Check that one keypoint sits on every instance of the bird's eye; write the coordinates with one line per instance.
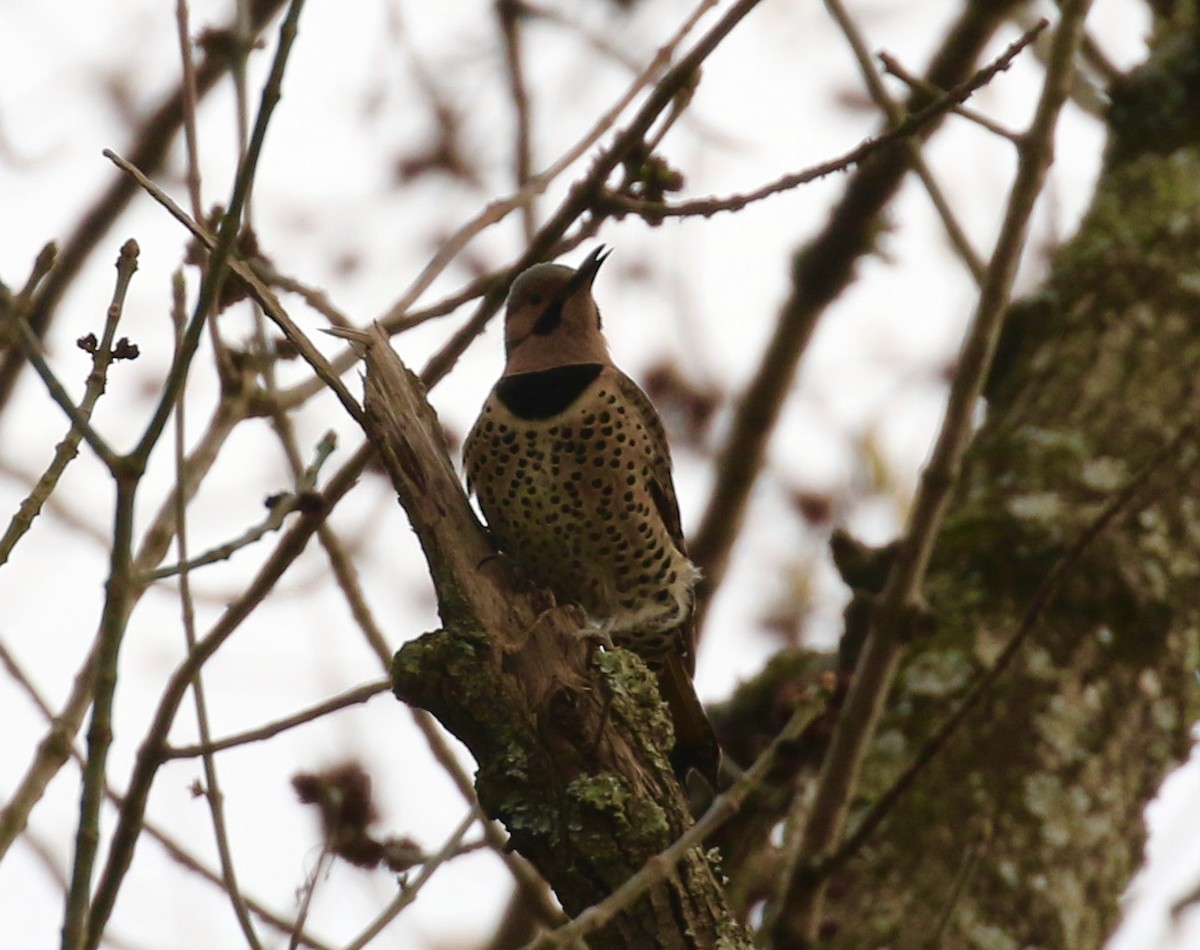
(535, 299)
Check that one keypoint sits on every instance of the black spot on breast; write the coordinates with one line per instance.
(546, 393)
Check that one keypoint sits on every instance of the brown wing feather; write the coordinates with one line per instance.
(662, 489)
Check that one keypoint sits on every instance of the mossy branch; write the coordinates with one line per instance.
(571, 743)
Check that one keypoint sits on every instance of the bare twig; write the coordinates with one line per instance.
(32, 349)
(152, 749)
(508, 12)
(908, 126)
(102, 356)
(117, 604)
(310, 888)
(315, 298)
(279, 507)
(894, 68)
(274, 521)
(212, 791)
(346, 576)
(800, 913)
(407, 895)
(895, 116)
(187, 88)
(820, 271)
(82, 929)
(352, 697)
(70, 514)
(148, 150)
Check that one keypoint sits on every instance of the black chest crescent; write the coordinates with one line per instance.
(548, 392)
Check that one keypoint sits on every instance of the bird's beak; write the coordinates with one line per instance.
(586, 272)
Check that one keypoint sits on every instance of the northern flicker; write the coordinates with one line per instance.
(569, 461)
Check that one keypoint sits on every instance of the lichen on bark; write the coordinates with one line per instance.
(1026, 830)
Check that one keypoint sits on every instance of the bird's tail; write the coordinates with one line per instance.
(695, 742)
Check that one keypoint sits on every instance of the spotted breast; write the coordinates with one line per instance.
(570, 464)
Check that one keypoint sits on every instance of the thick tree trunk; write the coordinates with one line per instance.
(1027, 828)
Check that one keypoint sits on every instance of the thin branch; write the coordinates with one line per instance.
(102, 356)
(187, 87)
(820, 271)
(276, 516)
(261, 294)
(895, 116)
(508, 12)
(148, 150)
(31, 347)
(213, 795)
(346, 576)
(908, 126)
(151, 751)
(118, 602)
(317, 299)
(800, 913)
(72, 517)
(279, 507)
(310, 888)
(51, 753)
(352, 697)
(1095, 57)
(893, 67)
(224, 365)
(407, 895)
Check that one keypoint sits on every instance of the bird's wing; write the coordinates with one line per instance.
(662, 488)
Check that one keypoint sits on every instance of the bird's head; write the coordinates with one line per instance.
(552, 319)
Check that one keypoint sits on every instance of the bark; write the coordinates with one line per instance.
(1026, 829)
(572, 743)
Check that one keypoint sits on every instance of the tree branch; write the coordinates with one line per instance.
(572, 753)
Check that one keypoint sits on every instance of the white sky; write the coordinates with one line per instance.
(770, 101)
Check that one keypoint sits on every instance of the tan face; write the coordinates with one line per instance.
(533, 293)
(552, 319)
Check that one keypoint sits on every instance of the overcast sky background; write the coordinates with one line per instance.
(783, 93)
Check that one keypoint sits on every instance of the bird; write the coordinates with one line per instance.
(570, 465)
